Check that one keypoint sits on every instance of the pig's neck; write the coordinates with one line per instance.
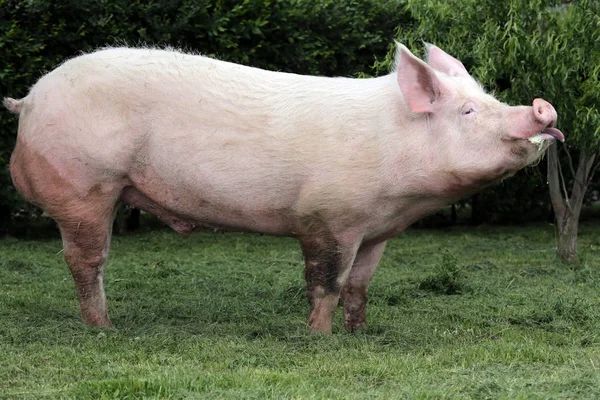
(418, 190)
(420, 173)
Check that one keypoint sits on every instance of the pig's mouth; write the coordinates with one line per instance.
(545, 137)
(546, 134)
(549, 134)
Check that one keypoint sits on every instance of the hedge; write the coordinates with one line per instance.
(323, 37)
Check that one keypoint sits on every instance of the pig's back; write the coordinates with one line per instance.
(142, 77)
(149, 103)
(179, 94)
(210, 132)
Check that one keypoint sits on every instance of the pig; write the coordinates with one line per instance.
(340, 164)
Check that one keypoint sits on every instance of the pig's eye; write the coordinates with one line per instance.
(468, 109)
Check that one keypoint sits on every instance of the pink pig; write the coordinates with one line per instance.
(341, 164)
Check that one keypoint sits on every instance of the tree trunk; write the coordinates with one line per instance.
(567, 206)
(566, 248)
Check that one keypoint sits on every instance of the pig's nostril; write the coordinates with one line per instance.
(543, 111)
(540, 108)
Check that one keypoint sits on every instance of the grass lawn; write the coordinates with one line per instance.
(461, 313)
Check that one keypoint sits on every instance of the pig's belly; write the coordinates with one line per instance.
(185, 209)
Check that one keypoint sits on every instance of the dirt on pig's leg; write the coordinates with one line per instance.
(327, 262)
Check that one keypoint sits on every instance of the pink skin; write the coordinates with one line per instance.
(544, 115)
(354, 292)
(440, 61)
(541, 117)
(342, 165)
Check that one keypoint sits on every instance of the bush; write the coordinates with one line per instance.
(522, 49)
(324, 37)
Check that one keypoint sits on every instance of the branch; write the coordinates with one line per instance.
(570, 160)
(593, 171)
(558, 203)
(562, 181)
(591, 164)
(581, 182)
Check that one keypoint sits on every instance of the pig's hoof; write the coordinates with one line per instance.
(354, 326)
(317, 326)
(97, 321)
(319, 331)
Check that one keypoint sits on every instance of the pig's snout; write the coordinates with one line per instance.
(542, 123)
(546, 116)
(544, 113)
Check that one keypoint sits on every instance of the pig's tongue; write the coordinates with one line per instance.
(555, 133)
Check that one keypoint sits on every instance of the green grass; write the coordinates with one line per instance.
(462, 313)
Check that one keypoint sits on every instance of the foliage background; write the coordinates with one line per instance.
(310, 37)
(323, 37)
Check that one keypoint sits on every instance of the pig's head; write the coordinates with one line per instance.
(476, 138)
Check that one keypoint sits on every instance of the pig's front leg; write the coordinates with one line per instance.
(354, 292)
(328, 260)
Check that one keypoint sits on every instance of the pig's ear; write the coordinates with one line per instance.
(444, 62)
(418, 82)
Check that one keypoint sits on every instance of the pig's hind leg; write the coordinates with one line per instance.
(354, 292)
(86, 239)
(84, 211)
(327, 262)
